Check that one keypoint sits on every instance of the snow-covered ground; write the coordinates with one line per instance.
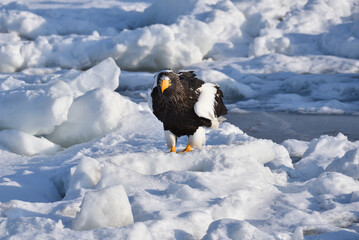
(83, 157)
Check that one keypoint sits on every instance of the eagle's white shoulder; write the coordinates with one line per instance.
(204, 107)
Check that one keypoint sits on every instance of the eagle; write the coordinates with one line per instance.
(185, 105)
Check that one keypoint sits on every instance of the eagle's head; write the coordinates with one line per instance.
(168, 81)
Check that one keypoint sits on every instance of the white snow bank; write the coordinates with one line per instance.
(153, 47)
(8, 37)
(234, 229)
(91, 115)
(35, 109)
(42, 227)
(333, 183)
(158, 34)
(26, 144)
(84, 176)
(321, 152)
(24, 23)
(77, 52)
(158, 38)
(348, 164)
(342, 40)
(108, 207)
(160, 46)
(296, 148)
(292, 32)
(222, 17)
(10, 83)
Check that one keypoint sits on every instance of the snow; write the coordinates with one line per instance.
(295, 148)
(93, 114)
(83, 157)
(234, 229)
(26, 144)
(99, 210)
(348, 164)
(321, 152)
(103, 75)
(35, 108)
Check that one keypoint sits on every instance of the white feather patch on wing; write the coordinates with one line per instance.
(204, 107)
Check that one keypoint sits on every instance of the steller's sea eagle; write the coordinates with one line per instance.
(186, 104)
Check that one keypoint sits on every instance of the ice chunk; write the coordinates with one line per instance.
(26, 144)
(8, 37)
(108, 207)
(15, 55)
(91, 115)
(348, 164)
(134, 231)
(86, 175)
(75, 52)
(321, 152)
(160, 46)
(10, 83)
(35, 109)
(167, 12)
(355, 196)
(296, 148)
(26, 24)
(342, 40)
(196, 221)
(332, 183)
(103, 75)
(234, 229)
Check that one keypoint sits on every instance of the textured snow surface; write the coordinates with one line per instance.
(158, 34)
(83, 157)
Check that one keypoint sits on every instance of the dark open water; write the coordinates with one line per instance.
(279, 126)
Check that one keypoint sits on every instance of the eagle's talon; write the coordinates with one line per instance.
(173, 149)
(187, 149)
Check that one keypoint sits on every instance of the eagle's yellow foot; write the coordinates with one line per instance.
(173, 149)
(187, 149)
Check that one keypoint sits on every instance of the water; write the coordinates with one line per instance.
(279, 126)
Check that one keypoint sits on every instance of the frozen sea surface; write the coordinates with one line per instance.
(83, 157)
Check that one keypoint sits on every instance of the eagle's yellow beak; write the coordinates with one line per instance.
(165, 84)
